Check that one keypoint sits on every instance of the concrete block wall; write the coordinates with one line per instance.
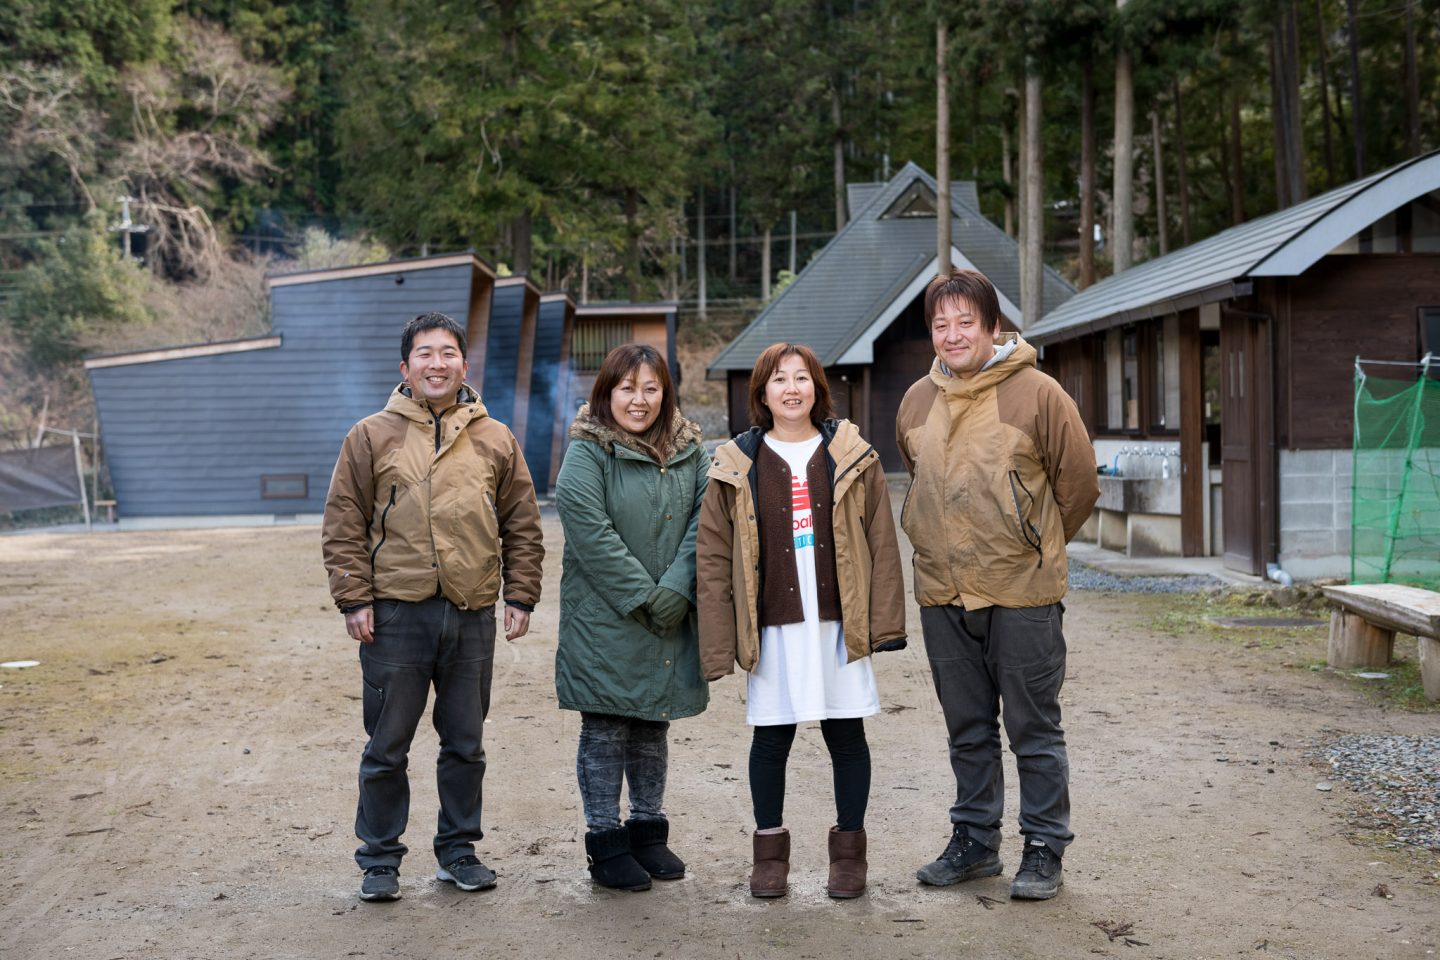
(1315, 512)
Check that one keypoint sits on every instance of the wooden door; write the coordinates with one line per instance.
(1247, 424)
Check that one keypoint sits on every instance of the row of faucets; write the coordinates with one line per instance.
(1140, 461)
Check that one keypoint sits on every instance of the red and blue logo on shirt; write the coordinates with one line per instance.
(802, 519)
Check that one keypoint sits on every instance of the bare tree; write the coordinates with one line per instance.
(189, 128)
(1357, 99)
(41, 114)
(1162, 225)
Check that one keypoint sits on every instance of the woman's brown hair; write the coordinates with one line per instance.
(765, 368)
(626, 361)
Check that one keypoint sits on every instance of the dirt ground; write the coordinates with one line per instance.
(177, 780)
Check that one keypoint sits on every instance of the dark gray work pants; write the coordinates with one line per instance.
(418, 645)
(994, 663)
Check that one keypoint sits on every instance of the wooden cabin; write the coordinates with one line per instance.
(1218, 381)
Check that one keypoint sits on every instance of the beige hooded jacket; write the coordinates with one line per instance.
(727, 553)
(419, 502)
(1003, 475)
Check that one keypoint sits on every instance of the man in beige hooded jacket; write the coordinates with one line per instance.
(430, 510)
(1003, 475)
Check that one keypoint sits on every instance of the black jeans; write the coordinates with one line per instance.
(417, 645)
(1003, 662)
(849, 759)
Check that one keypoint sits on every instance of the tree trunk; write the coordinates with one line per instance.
(733, 240)
(1184, 167)
(1412, 82)
(1087, 173)
(1031, 279)
(792, 242)
(1294, 111)
(838, 147)
(1325, 94)
(1162, 220)
(520, 239)
(1122, 234)
(1278, 120)
(632, 243)
(765, 267)
(1357, 99)
(1237, 160)
(700, 249)
(942, 152)
(1022, 220)
(1008, 178)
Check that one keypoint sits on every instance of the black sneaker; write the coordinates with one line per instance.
(380, 883)
(467, 873)
(964, 859)
(1040, 876)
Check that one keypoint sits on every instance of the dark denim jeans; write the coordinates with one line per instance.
(418, 645)
(994, 663)
(613, 749)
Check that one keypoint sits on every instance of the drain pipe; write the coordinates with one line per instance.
(1273, 572)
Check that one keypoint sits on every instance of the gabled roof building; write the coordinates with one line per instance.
(859, 303)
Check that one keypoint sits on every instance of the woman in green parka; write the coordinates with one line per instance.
(629, 495)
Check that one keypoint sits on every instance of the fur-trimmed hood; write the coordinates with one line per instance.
(683, 433)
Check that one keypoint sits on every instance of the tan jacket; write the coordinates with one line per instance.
(415, 504)
(727, 553)
(1003, 475)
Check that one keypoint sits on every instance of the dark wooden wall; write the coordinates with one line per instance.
(903, 354)
(1344, 305)
(193, 436)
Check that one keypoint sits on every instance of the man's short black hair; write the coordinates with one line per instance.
(431, 321)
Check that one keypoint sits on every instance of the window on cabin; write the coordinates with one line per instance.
(1165, 376)
(284, 486)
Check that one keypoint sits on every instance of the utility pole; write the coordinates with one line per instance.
(126, 226)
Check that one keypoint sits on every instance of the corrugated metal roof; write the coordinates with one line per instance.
(858, 195)
(855, 277)
(1218, 263)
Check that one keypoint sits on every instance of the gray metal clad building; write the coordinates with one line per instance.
(253, 427)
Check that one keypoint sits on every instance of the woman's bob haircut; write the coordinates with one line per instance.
(765, 368)
(626, 361)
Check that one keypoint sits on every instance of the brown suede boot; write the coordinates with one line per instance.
(771, 873)
(847, 864)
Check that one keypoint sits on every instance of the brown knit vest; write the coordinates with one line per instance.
(780, 588)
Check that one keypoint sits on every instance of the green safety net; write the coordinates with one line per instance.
(1395, 483)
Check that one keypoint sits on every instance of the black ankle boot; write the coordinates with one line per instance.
(648, 847)
(611, 865)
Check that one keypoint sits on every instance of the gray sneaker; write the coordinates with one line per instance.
(1040, 876)
(380, 883)
(964, 858)
(467, 873)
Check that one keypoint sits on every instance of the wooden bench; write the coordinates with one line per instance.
(1367, 617)
(109, 506)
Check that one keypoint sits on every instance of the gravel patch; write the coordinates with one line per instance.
(1399, 777)
(1085, 577)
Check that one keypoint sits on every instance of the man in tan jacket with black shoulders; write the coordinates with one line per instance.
(1003, 475)
(430, 511)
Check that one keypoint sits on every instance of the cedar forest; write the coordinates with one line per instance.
(598, 144)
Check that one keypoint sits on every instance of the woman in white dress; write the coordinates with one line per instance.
(799, 582)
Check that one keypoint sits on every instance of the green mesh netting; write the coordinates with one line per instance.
(1395, 484)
